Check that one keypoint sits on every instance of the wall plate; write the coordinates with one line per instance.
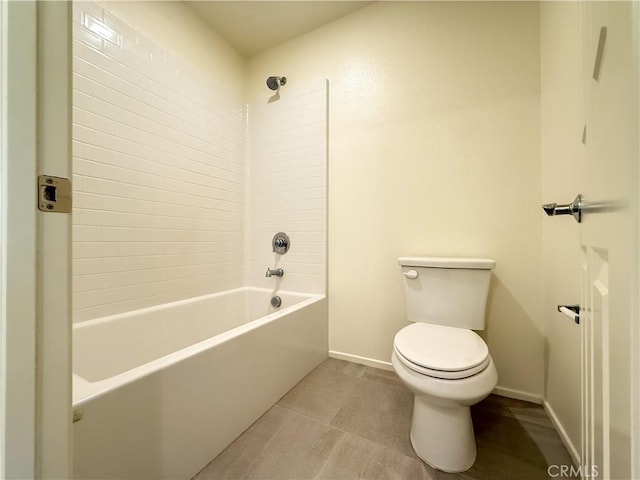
(54, 194)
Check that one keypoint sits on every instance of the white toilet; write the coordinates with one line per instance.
(441, 359)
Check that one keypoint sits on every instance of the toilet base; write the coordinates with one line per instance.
(443, 436)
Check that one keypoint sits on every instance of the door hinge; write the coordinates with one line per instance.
(54, 194)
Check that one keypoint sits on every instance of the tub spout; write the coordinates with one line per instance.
(276, 272)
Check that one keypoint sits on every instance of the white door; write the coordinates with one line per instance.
(609, 232)
(35, 323)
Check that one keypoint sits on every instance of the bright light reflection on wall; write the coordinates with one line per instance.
(101, 29)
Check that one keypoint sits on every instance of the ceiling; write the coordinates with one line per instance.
(252, 27)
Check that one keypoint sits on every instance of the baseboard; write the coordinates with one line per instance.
(369, 362)
(575, 456)
(372, 362)
(518, 395)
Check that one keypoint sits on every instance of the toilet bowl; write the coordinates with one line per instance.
(441, 428)
(441, 359)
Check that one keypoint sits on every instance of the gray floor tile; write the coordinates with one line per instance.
(347, 421)
(507, 436)
(379, 412)
(321, 393)
(354, 457)
(491, 464)
(296, 451)
(532, 442)
(236, 460)
(229, 465)
(349, 458)
(531, 415)
(509, 407)
(390, 464)
(342, 367)
(549, 444)
(383, 376)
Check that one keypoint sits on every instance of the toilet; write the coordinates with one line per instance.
(441, 359)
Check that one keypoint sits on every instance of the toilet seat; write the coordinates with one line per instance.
(441, 352)
(445, 375)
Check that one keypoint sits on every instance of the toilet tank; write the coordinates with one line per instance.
(447, 291)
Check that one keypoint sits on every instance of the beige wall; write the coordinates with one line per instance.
(562, 123)
(434, 148)
(182, 33)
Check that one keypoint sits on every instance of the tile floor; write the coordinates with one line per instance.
(348, 421)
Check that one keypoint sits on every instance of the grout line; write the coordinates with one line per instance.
(163, 112)
(123, 79)
(157, 203)
(150, 147)
(133, 155)
(173, 141)
(138, 185)
(205, 219)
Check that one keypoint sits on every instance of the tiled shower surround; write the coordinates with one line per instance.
(287, 185)
(165, 205)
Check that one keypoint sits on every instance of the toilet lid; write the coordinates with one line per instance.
(436, 347)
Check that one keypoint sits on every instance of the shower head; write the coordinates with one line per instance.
(276, 82)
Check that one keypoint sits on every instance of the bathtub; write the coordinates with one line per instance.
(159, 392)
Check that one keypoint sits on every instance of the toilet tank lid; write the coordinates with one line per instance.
(448, 262)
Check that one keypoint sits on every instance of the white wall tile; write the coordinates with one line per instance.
(162, 209)
(158, 176)
(287, 188)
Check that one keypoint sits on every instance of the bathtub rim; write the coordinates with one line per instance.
(83, 391)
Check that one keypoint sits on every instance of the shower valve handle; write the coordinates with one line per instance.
(280, 243)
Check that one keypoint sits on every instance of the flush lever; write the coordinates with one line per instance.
(574, 208)
(412, 274)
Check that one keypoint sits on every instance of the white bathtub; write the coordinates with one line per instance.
(163, 390)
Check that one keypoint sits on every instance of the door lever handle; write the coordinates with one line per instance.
(574, 208)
